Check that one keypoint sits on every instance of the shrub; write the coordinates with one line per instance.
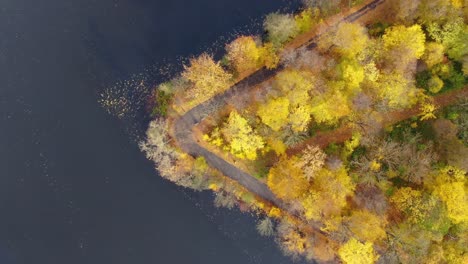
(162, 101)
(265, 227)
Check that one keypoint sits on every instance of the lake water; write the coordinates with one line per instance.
(74, 188)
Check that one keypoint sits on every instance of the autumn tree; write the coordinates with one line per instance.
(371, 198)
(225, 200)
(296, 85)
(434, 54)
(397, 91)
(430, 11)
(292, 241)
(451, 189)
(242, 140)
(352, 73)
(292, 108)
(244, 54)
(409, 242)
(453, 35)
(326, 7)
(422, 209)
(302, 58)
(168, 161)
(279, 106)
(350, 39)
(269, 56)
(207, 76)
(311, 160)
(327, 194)
(280, 28)
(157, 146)
(306, 19)
(405, 11)
(355, 252)
(286, 180)
(366, 226)
(326, 113)
(402, 45)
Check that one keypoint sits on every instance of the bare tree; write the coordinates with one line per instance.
(371, 198)
(224, 199)
(265, 227)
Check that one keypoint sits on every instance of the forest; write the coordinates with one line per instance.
(348, 134)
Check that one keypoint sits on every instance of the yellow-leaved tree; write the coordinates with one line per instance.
(242, 140)
(244, 54)
(367, 226)
(402, 45)
(434, 54)
(292, 108)
(355, 252)
(352, 74)
(269, 56)
(207, 76)
(286, 180)
(330, 113)
(451, 188)
(350, 39)
(280, 108)
(396, 90)
(327, 194)
(296, 85)
(410, 202)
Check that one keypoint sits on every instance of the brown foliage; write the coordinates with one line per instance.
(371, 198)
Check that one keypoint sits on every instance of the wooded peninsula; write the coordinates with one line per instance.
(344, 128)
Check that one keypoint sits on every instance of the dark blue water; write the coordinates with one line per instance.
(74, 187)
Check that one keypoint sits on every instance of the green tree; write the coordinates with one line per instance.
(453, 35)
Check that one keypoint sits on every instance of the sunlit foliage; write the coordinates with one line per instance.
(367, 226)
(403, 44)
(207, 76)
(451, 188)
(355, 252)
(286, 180)
(242, 140)
(350, 39)
(327, 195)
(279, 106)
(244, 54)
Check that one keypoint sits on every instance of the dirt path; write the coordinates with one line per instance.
(341, 134)
(183, 126)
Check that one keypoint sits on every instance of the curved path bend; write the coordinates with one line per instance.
(183, 125)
